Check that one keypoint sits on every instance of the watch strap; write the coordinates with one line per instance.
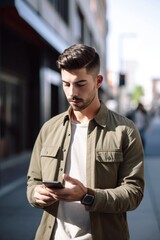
(90, 191)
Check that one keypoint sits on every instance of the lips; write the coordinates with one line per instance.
(74, 102)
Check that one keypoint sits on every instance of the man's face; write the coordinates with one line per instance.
(79, 87)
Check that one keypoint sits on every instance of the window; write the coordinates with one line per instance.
(10, 117)
(62, 7)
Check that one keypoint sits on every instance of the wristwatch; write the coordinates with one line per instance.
(88, 198)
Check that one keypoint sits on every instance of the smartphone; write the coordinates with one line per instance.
(53, 184)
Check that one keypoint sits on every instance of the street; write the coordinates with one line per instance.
(19, 221)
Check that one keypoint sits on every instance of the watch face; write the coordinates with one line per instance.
(87, 199)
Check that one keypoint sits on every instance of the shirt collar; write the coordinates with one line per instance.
(67, 115)
(100, 118)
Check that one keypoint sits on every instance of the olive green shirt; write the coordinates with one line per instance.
(114, 170)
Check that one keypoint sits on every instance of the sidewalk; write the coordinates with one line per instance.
(13, 172)
(18, 220)
(144, 222)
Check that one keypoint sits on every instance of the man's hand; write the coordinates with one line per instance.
(46, 196)
(43, 196)
(73, 193)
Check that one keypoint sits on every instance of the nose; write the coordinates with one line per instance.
(73, 91)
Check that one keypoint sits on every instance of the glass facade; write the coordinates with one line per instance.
(62, 8)
(10, 118)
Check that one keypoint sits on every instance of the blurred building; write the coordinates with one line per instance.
(32, 34)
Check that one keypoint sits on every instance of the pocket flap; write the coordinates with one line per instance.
(49, 151)
(109, 156)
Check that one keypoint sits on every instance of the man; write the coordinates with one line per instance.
(96, 153)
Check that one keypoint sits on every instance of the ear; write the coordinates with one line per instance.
(99, 80)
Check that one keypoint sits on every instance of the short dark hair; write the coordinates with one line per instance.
(79, 56)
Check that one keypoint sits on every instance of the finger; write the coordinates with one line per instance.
(42, 197)
(45, 203)
(43, 192)
(40, 202)
(70, 179)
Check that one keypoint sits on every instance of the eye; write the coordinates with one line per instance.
(66, 84)
(81, 83)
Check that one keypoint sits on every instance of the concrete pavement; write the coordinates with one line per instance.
(18, 220)
(144, 222)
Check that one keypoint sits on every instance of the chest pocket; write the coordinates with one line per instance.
(107, 167)
(50, 162)
(109, 156)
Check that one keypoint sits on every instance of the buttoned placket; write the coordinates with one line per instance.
(65, 147)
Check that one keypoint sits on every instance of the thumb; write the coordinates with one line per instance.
(73, 181)
(70, 179)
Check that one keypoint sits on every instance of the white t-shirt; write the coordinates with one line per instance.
(73, 220)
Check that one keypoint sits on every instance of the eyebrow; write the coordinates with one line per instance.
(78, 81)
